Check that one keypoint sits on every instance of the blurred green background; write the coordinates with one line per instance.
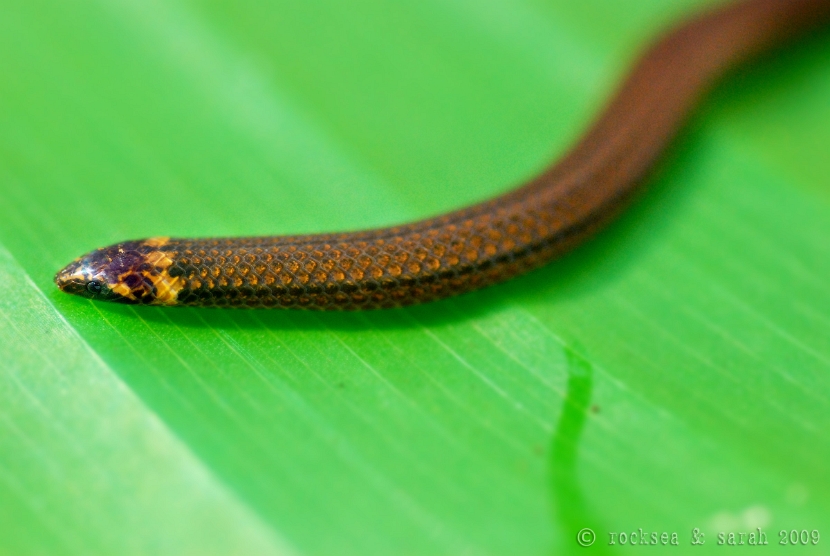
(671, 374)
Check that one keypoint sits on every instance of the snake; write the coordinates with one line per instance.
(473, 247)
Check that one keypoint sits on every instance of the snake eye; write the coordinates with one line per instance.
(93, 286)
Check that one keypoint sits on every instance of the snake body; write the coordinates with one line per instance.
(469, 248)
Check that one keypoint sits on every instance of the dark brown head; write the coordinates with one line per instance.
(128, 272)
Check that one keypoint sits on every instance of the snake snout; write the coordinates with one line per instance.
(71, 279)
(84, 277)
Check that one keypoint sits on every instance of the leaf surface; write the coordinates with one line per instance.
(671, 374)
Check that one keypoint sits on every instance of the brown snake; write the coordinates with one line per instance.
(469, 248)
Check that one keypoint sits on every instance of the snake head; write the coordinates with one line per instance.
(128, 272)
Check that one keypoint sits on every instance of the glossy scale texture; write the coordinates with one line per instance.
(470, 248)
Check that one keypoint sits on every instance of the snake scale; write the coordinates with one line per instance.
(473, 247)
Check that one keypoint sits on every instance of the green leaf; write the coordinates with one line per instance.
(670, 375)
